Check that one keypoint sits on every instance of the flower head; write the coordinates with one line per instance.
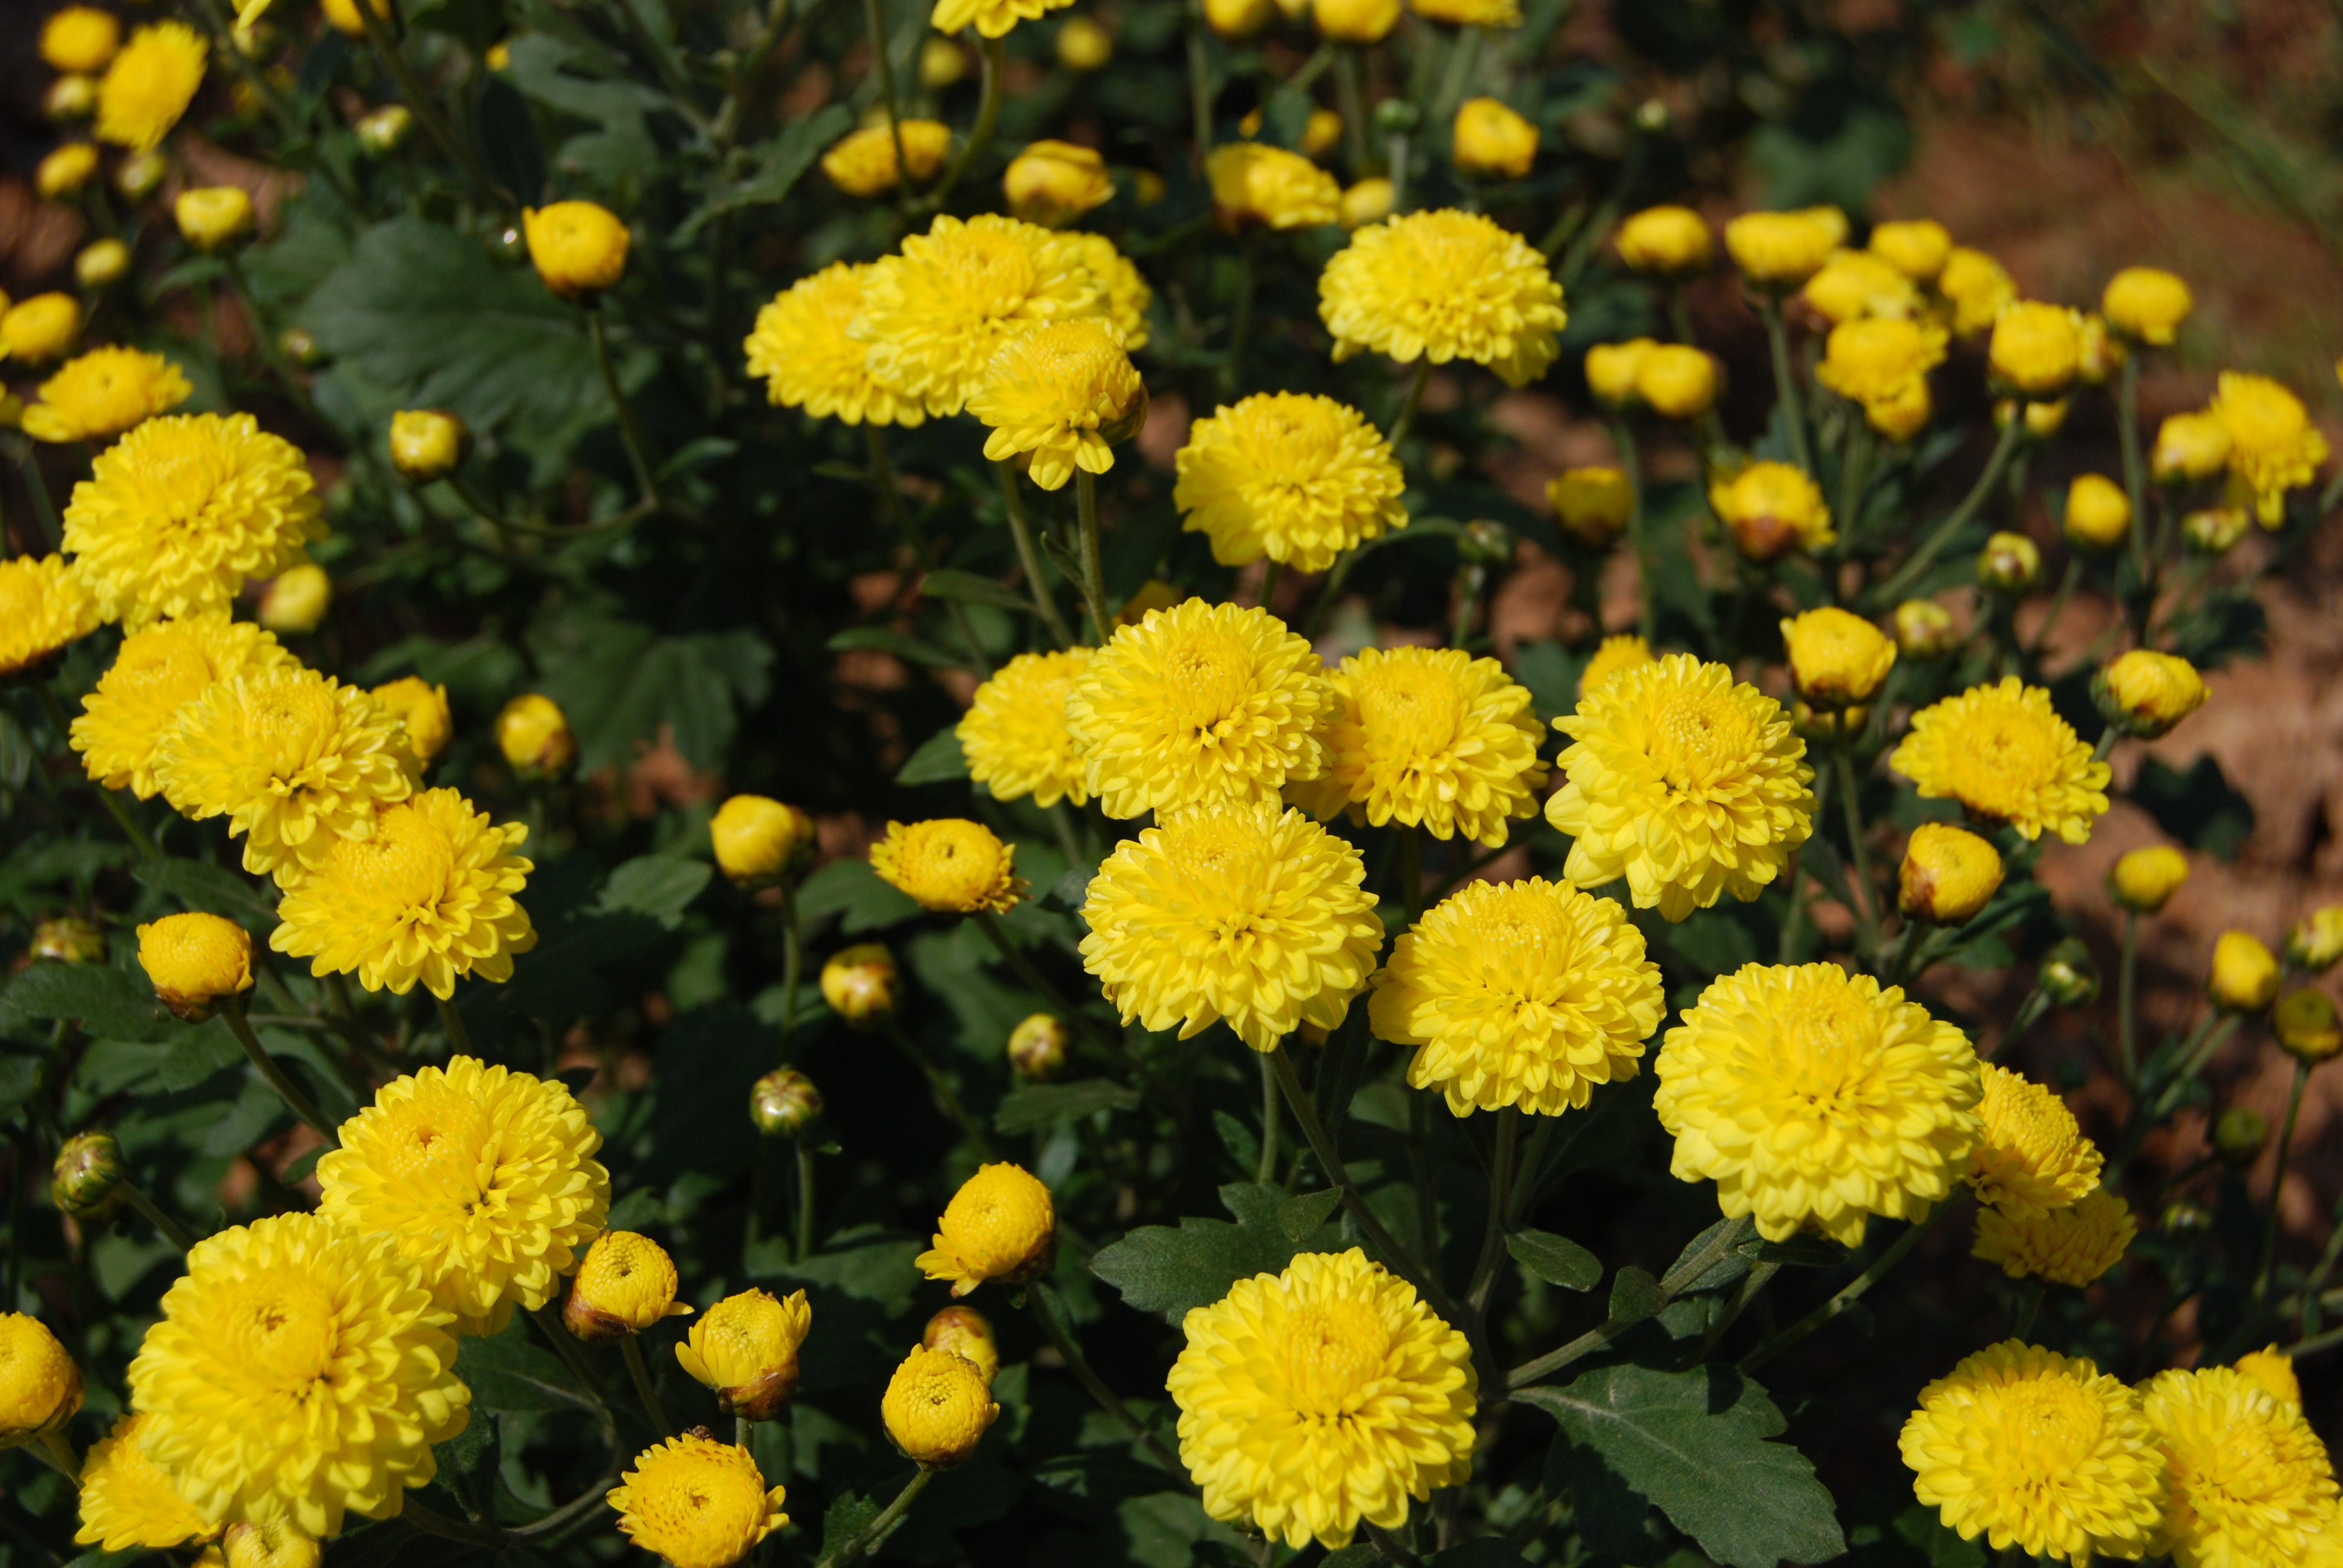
(180, 511)
(1367, 201)
(1233, 911)
(2009, 563)
(79, 39)
(2037, 348)
(1126, 292)
(1037, 1047)
(1428, 736)
(1064, 393)
(745, 1347)
(1054, 182)
(1490, 137)
(2249, 1482)
(2069, 1246)
(1355, 21)
(1296, 478)
(2033, 1157)
(759, 839)
(950, 865)
(784, 1103)
(483, 1178)
(2146, 304)
(1612, 655)
(1665, 241)
(1315, 1398)
(1977, 287)
(1948, 874)
(1611, 369)
(2306, 1026)
(428, 444)
(295, 601)
(300, 1371)
(40, 1386)
(1594, 505)
(1856, 284)
(1256, 185)
(127, 1502)
(275, 1542)
(697, 1502)
(213, 217)
(1000, 1225)
(2004, 753)
(2244, 974)
(1014, 733)
(39, 328)
(421, 710)
(429, 895)
(1836, 657)
(858, 984)
(194, 960)
(2314, 942)
(1813, 1097)
(1197, 703)
(993, 18)
(1780, 250)
(2037, 1451)
(2273, 445)
(2098, 513)
(625, 1284)
(799, 346)
(150, 84)
(1772, 508)
(1685, 783)
(2191, 446)
(2273, 1370)
(2147, 692)
(1443, 286)
(43, 606)
(862, 163)
(1916, 248)
(965, 1332)
(1676, 381)
(578, 248)
(534, 734)
(1881, 362)
(2143, 880)
(937, 1407)
(99, 394)
(1519, 993)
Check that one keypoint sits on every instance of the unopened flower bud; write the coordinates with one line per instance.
(1611, 369)
(40, 328)
(1238, 18)
(214, 218)
(2146, 304)
(2238, 1134)
(2306, 1026)
(966, 1332)
(300, 347)
(1355, 21)
(2316, 940)
(1485, 543)
(760, 840)
(2099, 514)
(1000, 1225)
(745, 1347)
(1772, 509)
(1836, 657)
(66, 170)
(579, 248)
(1489, 137)
(1778, 251)
(421, 710)
(2066, 974)
(535, 737)
(1665, 242)
(937, 1408)
(1925, 630)
(69, 940)
(1037, 1047)
(2215, 530)
(140, 175)
(295, 603)
(2146, 693)
(428, 444)
(1368, 201)
(1054, 183)
(1084, 46)
(784, 1103)
(70, 97)
(1676, 381)
(2189, 447)
(1948, 874)
(2244, 973)
(858, 984)
(944, 64)
(2186, 1217)
(1592, 506)
(625, 1284)
(2009, 563)
(2035, 350)
(87, 1174)
(385, 130)
(2143, 880)
(40, 1387)
(193, 960)
(1396, 117)
(272, 1543)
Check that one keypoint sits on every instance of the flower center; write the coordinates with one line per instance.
(405, 868)
(1830, 1041)
(1408, 708)
(276, 1327)
(992, 274)
(2048, 1427)
(1206, 679)
(1332, 1355)
(1522, 936)
(1696, 735)
(951, 861)
(166, 666)
(2001, 756)
(288, 721)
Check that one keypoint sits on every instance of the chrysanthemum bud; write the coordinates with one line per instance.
(1592, 506)
(299, 346)
(1083, 44)
(140, 175)
(421, 710)
(1772, 509)
(1485, 542)
(2035, 348)
(2067, 975)
(625, 1284)
(745, 1347)
(1676, 381)
(40, 328)
(69, 940)
(2185, 1216)
(294, 603)
(87, 1174)
(1916, 248)
(2146, 304)
(2099, 514)
(1611, 369)
(1256, 185)
(858, 984)
(949, 865)
(2316, 940)
(214, 218)
(40, 1387)
(1054, 183)
(1778, 251)
(2215, 530)
(428, 444)
(82, 39)
(1000, 1225)
(2244, 973)
(784, 1103)
(2143, 880)
(70, 97)
(1925, 630)
(944, 64)
(937, 1407)
(2238, 1134)
(1948, 874)
(193, 960)
(1355, 21)
(2189, 447)
(384, 131)
(1037, 1047)
(862, 163)
(534, 736)
(275, 1543)
(758, 840)
(965, 1332)
(2146, 693)
(1665, 242)
(1490, 138)
(1836, 657)
(579, 248)
(2009, 563)
(1368, 201)
(66, 170)
(2306, 1027)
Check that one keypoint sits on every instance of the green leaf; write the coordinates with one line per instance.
(785, 160)
(1696, 1443)
(197, 1055)
(1159, 1269)
(659, 886)
(209, 889)
(511, 1372)
(939, 759)
(104, 1000)
(1034, 1105)
(1551, 672)
(1635, 1295)
(866, 1263)
(850, 1514)
(970, 589)
(1301, 1216)
(851, 890)
(1556, 1260)
(621, 685)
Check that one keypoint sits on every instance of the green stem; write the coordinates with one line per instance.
(2068, 582)
(54, 706)
(1044, 1302)
(1867, 893)
(946, 1097)
(1854, 476)
(2127, 1001)
(805, 1197)
(573, 1356)
(2135, 468)
(459, 1038)
(1409, 405)
(2278, 1183)
(878, 1528)
(631, 1347)
(1329, 593)
(1411, 870)
(1044, 602)
(1944, 532)
(29, 463)
(1248, 263)
(1852, 1293)
(1759, 1276)
(1676, 1281)
(1265, 1171)
(1199, 82)
(1093, 577)
(1501, 1185)
(890, 506)
(979, 135)
(877, 27)
(1786, 382)
(149, 1211)
(1350, 95)
(1456, 79)
(2029, 1306)
(629, 433)
(792, 963)
(1647, 611)
(1392, 1549)
(426, 109)
(293, 1096)
(57, 1451)
(2037, 1003)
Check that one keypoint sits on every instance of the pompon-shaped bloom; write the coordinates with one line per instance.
(125, 1502)
(1976, 287)
(1014, 733)
(1876, 361)
(1470, 12)
(938, 1407)
(295, 760)
(484, 1178)
(300, 1371)
(2042, 1452)
(1196, 703)
(2248, 1483)
(1772, 509)
(2032, 1157)
(43, 606)
(150, 84)
(1291, 475)
(427, 896)
(1256, 186)
(1917, 248)
(157, 672)
(2069, 1246)
(949, 865)
(697, 1502)
(1060, 395)
(1680, 780)
(1428, 736)
(1813, 1097)
(1856, 284)
(862, 163)
(40, 1384)
(1519, 993)
(1443, 286)
(1000, 1225)
(1322, 1396)
(99, 394)
(2005, 754)
(1233, 911)
(1127, 293)
(934, 314)
(993, 18)
(180, 511)
(1779, 250)
(2273, 445)
(799, 346)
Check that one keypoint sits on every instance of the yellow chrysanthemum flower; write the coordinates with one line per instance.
(150, 84)
(934, 314)
(2248, 1481)
(1813, 1097)
(1665, 241)
(1443, 286)
(1256, 186)
(2273, 445)
(1428, 736)
(299, 1371)
(421, 710)
(2033, 1157)
(1772, 509)
(1612, 655)
(2040, 1452)
(862, 163)
(625, 1283)
(43, 606)
(484, 1178)
(992, 18)
(1014, 733)
(426, 897)
(99, 394)
(1052, 183)
(965, 1333)
(800, 348)
(1525, 993)
(157, 672)
(950, 865)
(125, 1502)
(1127, 293)
(40, 328)
(1322, 1396)
(1470, 12)
(1877, 361)
(2272, 1370)
(296, 762)
(2004, 753)
(1857, 284)
(1977, 287)
(938, 1407)
(180, 511)
(1917, 248)
(1296, 478)
(2069, 1246)
(1687, 784)
(40, 1386)
(1196, 703)
(1060, 395)
(1233, 911)
(1780, 250)
(79, 39)
(697, 1502)
(1000, 1225)
(745, 1347)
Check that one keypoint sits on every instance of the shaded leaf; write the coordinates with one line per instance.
(851, 890)
(1556, 1260)
(103, 1000)
(1159, 1269)
(939, 759)
(1034, 1105)
(659, 886)
(1635, 1295)
(784, 162)
(970, 588)
(1301, 1215)
(210, 889)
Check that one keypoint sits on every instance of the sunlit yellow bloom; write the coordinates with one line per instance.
(1611, 369)
(99, 394)
(1772, 508)
(157, 672)
(993, 18)
(1443, 286)
(2033, 1157)
(1781, 249)
(125, 1502)
(1054, 182)
(1611, 656)
(66, 170)
(1917, 248)
(1014, 733)
(965, 1332)
(2248, 1481)
(1947, 874)
(79, 39)
(2190, 447)
(40, 328)
(1355, 21)
(2004, 753)
(427, 443)
(950, 865)
(697, 1502)
(421, 710)
(2037, 348)
(2273, 445)
(1255, 184)
(213, 217)
(862, 163)
(1883, 363)
(2145, 879)
(1676, 381)
(40, 1386)
(2098, 513)
(2148, 692)
(1669, 241)
(745, 1347)
(150, 84)
(1854, 285)
(1367, 201)
(800, 346)
(2069, 1246)
(1470, 12)
(1976, 286)
(578, 248)
(2146, 304)
(626, 1284)
(937, 1407)
(1000, 1225)
(858, 983)
(1836, 657)
(534, 734)
(2244, 973)
(2316, 942)
(194, 959)
(2273, 1370)
(1060, 395)
(43, 606)
(1126, 291)
(1490, 138)
(294, 602)
(1295, 478)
